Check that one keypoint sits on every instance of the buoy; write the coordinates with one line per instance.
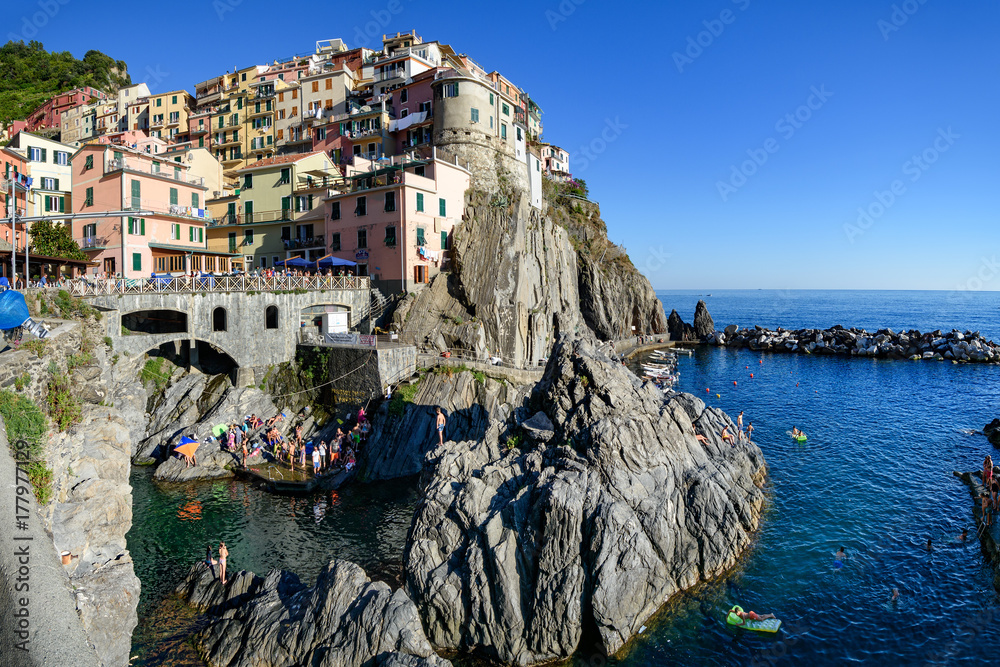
(748, 368)
(734, 383)
(706, 390)
(718, 395)
(796, 384)
(751, 376)
(762, 361)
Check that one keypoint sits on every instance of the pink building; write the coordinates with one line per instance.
(170, 237)
(49, 114)
(396, 220)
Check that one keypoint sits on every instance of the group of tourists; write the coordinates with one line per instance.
(990, 497)
(740, 435)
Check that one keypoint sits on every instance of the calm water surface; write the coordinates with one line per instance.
(874, 477)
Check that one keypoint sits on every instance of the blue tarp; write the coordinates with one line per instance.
(4, 283)
(13, 310)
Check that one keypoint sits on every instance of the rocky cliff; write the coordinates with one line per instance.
(523, 555)
(401, 438)
(519, 277)
(345, 620)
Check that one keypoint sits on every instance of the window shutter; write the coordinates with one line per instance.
(62, 204)
(194, 199)
(56, 181)
(420, 201)
(43, 154)
(48, 204)
(191, 234)
(442, 207)
(420, 236)
(89, 162)
(142, 226)
(136, 261)
(201, 235)
(173, 196)
(444, 240)
(310, 202)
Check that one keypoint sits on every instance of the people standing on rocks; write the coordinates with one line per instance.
(441, 421)
(335, 447)
(749, 431)
(987, 471)
(210, 561)
(302, 457)
(223, 554)
(985, 507)
(322, 453)
(316, 460)
(739, 424)
(291, 452)
(245, 452)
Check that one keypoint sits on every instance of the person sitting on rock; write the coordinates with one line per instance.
(728, 437)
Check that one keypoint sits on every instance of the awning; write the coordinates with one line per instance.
(330, 260)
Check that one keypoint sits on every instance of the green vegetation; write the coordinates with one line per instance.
(64, 408)
(77, 360)
(153, 372)
(404, 394)
(480, 377)
(71, 307)
(35, 346)
(514, 441)
(29, 75)
(25, 422)
(22, 381)
(108, 342)
(54, 240)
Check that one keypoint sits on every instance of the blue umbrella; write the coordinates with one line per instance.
(295, 261)
(330, 260)
(187, 441)
(14, 313)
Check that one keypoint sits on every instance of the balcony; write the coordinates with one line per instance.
(304, 242)
(136, 165)
(92, 243)
(196, 131)
(281, 215)
(251, 113)
(300, 138)
(227, 219)
(311, 185)
(232, 159)
(229, 141)
(399, 73)
(156, 122)
(157, 206)
(173, 120)
(262, 93)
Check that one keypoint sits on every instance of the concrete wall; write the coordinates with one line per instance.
(246, 339)
(363, 373)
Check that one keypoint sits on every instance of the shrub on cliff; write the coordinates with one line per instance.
(26, 422)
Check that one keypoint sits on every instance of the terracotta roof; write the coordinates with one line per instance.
(280, 159)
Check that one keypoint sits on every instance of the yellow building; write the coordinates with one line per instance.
(168, 115)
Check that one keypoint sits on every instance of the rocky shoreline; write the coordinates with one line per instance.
(958, 346)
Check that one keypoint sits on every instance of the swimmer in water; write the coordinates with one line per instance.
(839, 558)
(895, 596)
(964, 536)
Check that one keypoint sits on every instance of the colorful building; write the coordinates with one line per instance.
(50, 171)
(78, 124)
(396, 220)
(49, 114)
(168, 237)
(168, 115)
(555, 161)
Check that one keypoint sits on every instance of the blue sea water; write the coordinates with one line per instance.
(874, 476)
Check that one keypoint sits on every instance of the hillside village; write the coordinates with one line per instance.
(357, 156)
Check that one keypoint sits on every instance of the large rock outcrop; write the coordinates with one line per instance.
(523, 555)
(614, 297)
(398, 443)
(703, 324)
(678, 329)
(89, 516)
(345, 620)
(511, 290)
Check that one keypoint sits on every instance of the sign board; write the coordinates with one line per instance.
(360, 255)
(335, 322)
(348, 339)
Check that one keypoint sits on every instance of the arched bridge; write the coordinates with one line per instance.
(255, 321)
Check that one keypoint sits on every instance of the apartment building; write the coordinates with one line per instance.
(78, 124)
(168, 237)
(15, 197)
(138, 115)
(396, 220)
(49, 168)
(49, 114)
(555, 161)
(168, 115)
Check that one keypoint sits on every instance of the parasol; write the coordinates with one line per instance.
(187, 447)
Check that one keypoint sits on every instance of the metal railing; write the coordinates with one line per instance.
(471, 359)
(92, 242)
(186, 284)
(302, 242)
(144, 167)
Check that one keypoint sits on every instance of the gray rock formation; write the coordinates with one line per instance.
(992, 432)
(703, 324)
(212, 463)
(89, 516)
(397, 444)
(192, 406)
(517, 554)
(345, 620)
(678, 329)
(614, 297)
(513, 273)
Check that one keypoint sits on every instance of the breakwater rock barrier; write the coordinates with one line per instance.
(954, 345)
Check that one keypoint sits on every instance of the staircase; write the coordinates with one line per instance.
(377, 305)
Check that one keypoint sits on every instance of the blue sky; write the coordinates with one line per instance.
(731, 142)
